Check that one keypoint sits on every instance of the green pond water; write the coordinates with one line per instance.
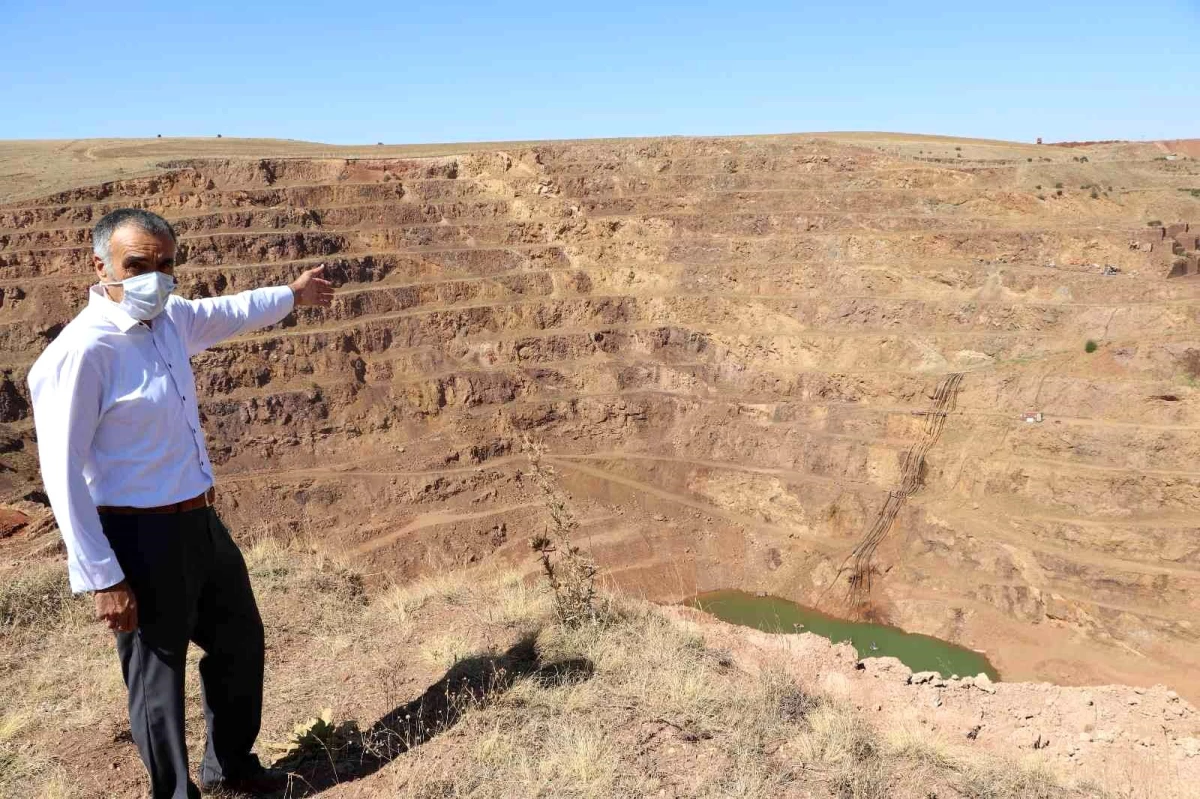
(774, 615)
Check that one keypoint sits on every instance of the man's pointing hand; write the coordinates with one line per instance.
(311, 288)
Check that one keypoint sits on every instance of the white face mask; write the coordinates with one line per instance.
(145, 295)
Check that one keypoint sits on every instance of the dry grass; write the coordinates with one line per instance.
(56, 676)
(662, 713)
(35, 595)
(658, 712)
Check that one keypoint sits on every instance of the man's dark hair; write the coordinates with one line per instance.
(140, 218)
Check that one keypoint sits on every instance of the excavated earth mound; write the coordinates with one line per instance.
(794, 365)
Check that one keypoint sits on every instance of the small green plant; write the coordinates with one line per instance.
(317, 737)
(1194, 192)
(1090, 347)
(1038, 187)
(1058, 185)
(1095, 195)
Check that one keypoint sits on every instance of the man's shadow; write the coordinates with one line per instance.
(351, 753)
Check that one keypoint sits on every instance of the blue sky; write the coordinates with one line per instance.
(468, 71)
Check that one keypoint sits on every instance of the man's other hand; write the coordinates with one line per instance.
(311, 288)
(117, 607)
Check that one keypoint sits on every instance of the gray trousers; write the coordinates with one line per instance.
(191, 585)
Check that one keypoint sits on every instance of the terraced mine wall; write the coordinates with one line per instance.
(730, 347)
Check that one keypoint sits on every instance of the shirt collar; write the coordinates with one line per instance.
(98, 299)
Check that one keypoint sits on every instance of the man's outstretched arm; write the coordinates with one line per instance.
(209, 321)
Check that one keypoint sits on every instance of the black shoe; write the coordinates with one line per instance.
(263, 782)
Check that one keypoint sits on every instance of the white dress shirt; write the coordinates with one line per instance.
(114, 404)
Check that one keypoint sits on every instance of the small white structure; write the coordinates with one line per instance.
(1032, 417)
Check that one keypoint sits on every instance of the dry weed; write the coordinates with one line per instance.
(399, 604)
(1011, 780)
(316, 590)
(26, 773)
(36, 595)
(58, 666)
(570, 573)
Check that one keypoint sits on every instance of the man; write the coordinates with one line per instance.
(131, 485)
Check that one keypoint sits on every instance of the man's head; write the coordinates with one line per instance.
(129, 242)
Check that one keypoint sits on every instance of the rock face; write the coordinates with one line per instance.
(11, 521)
(731, 348)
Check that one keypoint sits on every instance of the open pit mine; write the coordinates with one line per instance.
(949, 385)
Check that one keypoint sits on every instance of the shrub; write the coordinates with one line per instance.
(1038, 187)
(1190, 361)
(1095, 195)
(1058, 185)
(1154, 223)
(569, 571)
(1090, 347)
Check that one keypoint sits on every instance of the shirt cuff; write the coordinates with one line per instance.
(95, 576)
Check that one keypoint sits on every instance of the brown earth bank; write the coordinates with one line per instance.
(732, 348)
